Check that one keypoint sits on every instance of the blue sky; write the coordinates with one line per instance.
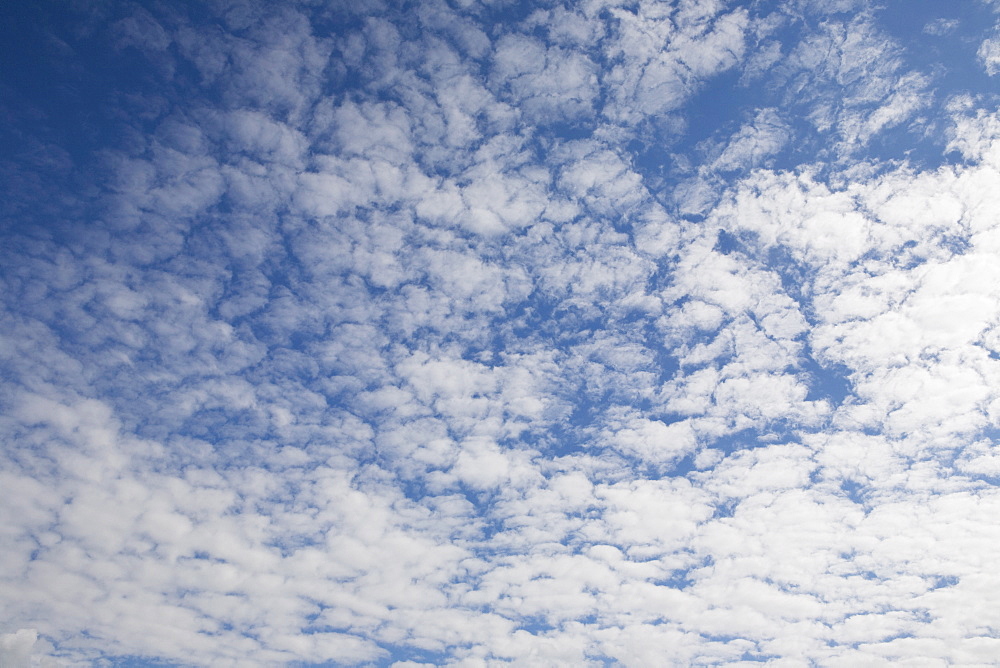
(476, 333)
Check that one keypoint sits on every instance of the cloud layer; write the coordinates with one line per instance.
(473, 333)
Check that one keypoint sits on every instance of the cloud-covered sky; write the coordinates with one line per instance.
(483, 332)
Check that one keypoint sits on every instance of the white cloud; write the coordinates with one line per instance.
(655, 441)
(15, 648)
(354, 353)
(851, 77)
(547, 83)
(660, 64)
(941, 27)
(754, 142)
(989, 55)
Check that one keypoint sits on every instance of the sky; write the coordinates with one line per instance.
(497, 332)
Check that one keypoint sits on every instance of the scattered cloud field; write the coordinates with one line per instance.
(483, 332)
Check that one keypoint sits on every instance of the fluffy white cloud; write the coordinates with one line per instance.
(989, 55)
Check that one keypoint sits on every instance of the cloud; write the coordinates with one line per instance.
(15, 648)
(472, 333)
(989, 56)
(544, 82)
(754, 142)
(662, 63)
(941, 27)
(848, 74)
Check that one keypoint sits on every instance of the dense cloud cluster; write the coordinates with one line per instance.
(472, 332)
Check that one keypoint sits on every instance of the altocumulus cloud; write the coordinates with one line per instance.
(474, 332)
